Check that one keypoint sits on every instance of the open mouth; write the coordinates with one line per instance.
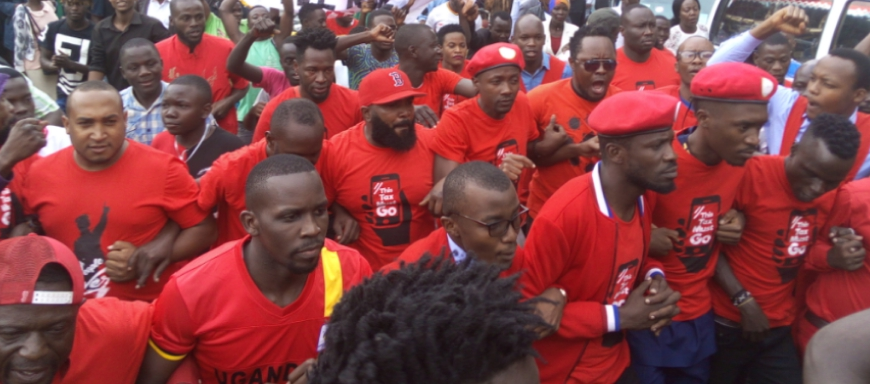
(599, 86)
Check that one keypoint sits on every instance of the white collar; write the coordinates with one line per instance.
(456, 251)
(599, 193)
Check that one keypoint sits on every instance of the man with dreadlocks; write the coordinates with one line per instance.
(444, 324)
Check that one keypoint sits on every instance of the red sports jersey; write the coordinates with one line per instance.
(213, 310)
(779, 231)
(223, 186)
(436, 85)
(693, 210)
(131, 201)
(465, 133)
(571, 110)
(656, 72)
(208, 60)
(382, 188)
(685, 116)
(341, 110)
(575, 244)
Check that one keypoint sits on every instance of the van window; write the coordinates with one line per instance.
(854, 26)
(665, 8)
(737, 16)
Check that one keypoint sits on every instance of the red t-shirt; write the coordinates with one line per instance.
(451, 100)
(837, 293)
(332, 25)
(341, 110)
(223, 186)
(704, 193)
(382, 188)
(572, 111)
(213, 310)
(658, 71)
(685, 116)
(435, 86)
(207, 61)
(465, 133)
(131, 201)
(779, 231)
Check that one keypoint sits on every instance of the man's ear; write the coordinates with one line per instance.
(206, 110)
(249, 221)
(450, 227)
(859, 96)
(616, 153)
(66, 123)
(366, 112)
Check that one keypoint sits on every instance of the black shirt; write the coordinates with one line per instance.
(60, 38)
(107, 40)
(214, 146)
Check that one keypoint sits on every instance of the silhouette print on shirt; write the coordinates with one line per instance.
(90, 254)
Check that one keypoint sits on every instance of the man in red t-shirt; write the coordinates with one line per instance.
(692, 57)
(785, 202)
(315, 62)
(641, 66)
(254, 309)
(125, 192)
(840, 288)
(341, 22)
(731, 102)
(419, 56)
(297, 129)
(191, 52)
(384, 170)
(571, 101)
(497, 126)
(591, 239)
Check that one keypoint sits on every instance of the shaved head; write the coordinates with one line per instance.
(528, 21)
(696, 43)
(411, 35)
(174, 4)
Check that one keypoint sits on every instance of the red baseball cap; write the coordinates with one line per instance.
(494, 56)
(633, 113)
(734, 82)
(384, 86)
(22, 260)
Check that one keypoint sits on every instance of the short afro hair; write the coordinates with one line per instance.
(429, 322)
(201, 85)
(596, 30)
(370, 18)
(447, 29)
(774, 40)
(300, 111)
(136, 42)
(307, 9)
(277, 165)
(318, 39)
(478, 173)
(862, 65)
(840, 136)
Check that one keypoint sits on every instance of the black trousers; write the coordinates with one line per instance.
(629, 376)
(773, 360)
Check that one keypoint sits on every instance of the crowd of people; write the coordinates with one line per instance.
(192, 192)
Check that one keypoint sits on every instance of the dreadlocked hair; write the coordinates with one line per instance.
(430, 322)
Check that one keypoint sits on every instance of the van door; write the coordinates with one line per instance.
(853, 26)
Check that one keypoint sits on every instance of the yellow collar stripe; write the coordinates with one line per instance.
(331, 279)
(163, 354)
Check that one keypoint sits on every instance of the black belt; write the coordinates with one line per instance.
(815, 319)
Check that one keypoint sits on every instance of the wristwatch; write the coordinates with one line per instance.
(741, 297)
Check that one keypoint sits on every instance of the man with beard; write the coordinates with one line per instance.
(192, 52)
(593, 60)
(641, 66)
(419, 56)
(384, 170)
(839, 83)
(592, 238)
(315, 63)
(540, 68)
(692, 57)
(786, 202)
(497, 126)
(690, 222)
(277, 286)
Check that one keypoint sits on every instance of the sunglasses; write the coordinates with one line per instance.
(594, 64)
(691, 55)
(499, 228)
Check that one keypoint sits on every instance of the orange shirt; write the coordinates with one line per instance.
(382, 188)
(571, 110)
(341, 110)
(208, 60)
(658, 71)
(436, 85)
(465, 133)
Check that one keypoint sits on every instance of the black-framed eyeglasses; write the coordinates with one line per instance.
(499, 228)
(594, 64)
(691, 55)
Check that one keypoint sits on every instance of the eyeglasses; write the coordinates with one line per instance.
(499, 228)
(691, 55)
(594, 64)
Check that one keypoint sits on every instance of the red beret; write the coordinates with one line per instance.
(737, 82)
(633, 112)
(493, 56)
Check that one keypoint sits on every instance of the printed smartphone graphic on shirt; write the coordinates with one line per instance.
(503, 149)
(791, 247)
(646, 85)
(697, 237)
(623, 282)
(390, 210)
